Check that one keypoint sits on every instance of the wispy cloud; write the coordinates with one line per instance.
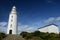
(58, 19)
(2, 24)
(49, 1)
(3, 27)
(52, 19)
(26, 28)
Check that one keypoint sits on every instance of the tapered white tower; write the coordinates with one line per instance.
(12, 23)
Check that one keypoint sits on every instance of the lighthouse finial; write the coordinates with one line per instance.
(14, 7)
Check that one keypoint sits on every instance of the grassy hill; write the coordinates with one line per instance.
(37, 35)
(13, 37)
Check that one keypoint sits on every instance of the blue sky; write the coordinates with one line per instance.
(32, 14)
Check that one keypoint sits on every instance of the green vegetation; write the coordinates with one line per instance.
(2, 35)
(37, 35)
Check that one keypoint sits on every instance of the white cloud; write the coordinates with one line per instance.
(51, 19)
(58, 19)
(2, 24)
(26, 28)
(3, 27)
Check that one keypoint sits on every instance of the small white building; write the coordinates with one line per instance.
(52, 28)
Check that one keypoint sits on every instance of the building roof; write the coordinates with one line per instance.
(48, 25)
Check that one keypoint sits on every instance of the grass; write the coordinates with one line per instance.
(13, 37)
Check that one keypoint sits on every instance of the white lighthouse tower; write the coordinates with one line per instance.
(12, 23)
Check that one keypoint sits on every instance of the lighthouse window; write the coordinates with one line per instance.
(11, 20)
(11, 26)
(12, 16)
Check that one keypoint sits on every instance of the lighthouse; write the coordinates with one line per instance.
(12, 22)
